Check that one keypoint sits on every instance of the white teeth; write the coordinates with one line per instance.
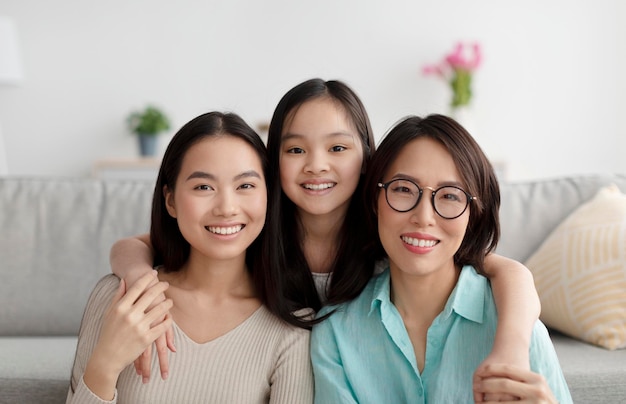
(416, 242)
(318, 187)
(225, 230)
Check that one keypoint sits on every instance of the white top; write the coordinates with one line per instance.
(322, 279)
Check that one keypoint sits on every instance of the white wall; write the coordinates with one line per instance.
(548, 95)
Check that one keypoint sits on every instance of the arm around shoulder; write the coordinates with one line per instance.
(518, 308)
(131, 257)
(544, 382)
(117, 326)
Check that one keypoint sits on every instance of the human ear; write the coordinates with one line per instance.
(169, 201)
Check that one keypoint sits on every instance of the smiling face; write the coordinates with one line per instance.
(220, 198)
(420, 242)
(321, 158)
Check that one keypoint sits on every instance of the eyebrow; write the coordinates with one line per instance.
(440, 184)
(289, 136)
(207, 176)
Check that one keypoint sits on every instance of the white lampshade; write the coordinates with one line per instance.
(10, 66)
(10, 72)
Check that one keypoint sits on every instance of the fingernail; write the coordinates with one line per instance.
(145, 380)
(164, 375)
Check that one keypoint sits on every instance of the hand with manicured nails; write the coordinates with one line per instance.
(521, 385)
(129, 326)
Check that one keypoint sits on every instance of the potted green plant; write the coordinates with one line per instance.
(147, 125)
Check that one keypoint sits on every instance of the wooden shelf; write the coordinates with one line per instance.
(127, 168)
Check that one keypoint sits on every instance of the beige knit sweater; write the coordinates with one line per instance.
(263, 360)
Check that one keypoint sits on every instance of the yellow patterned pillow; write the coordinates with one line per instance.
(580, 272)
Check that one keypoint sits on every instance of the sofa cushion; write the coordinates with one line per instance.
(531, 210)
(55, 237)
(37, 357)
(33, 391)
(593, 374)
(35, 369)
(580, 272)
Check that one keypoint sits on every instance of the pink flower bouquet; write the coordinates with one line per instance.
(457, 68)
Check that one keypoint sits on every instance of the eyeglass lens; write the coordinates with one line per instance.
(448, 202)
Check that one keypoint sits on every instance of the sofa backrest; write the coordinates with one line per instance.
(531, 210)
(56, 234)
(55, 238)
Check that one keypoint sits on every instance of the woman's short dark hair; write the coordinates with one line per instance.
(476, 173)
(285, 237)
(170, 247)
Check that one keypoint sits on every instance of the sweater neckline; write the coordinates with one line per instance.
(237, 329)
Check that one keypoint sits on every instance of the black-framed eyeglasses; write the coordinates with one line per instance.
(403, 195)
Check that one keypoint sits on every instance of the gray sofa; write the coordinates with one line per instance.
(55, 236)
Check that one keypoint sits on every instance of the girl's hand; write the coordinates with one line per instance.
(500, 355)
(132, 258)
(163, 343)
(143, 363)
(519, 384)
(129, 326)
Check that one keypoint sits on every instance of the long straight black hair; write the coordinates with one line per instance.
(350, 267)
(170, 247)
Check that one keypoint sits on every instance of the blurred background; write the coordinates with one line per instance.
(548, 95)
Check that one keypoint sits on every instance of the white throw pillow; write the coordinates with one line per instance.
(580, 272)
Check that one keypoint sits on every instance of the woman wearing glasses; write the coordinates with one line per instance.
(420, 328)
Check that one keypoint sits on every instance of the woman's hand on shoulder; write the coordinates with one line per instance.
(164, 344)
(131, 322)
(131, 258)
(126, 330)
(498, 358)
(503, 382)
